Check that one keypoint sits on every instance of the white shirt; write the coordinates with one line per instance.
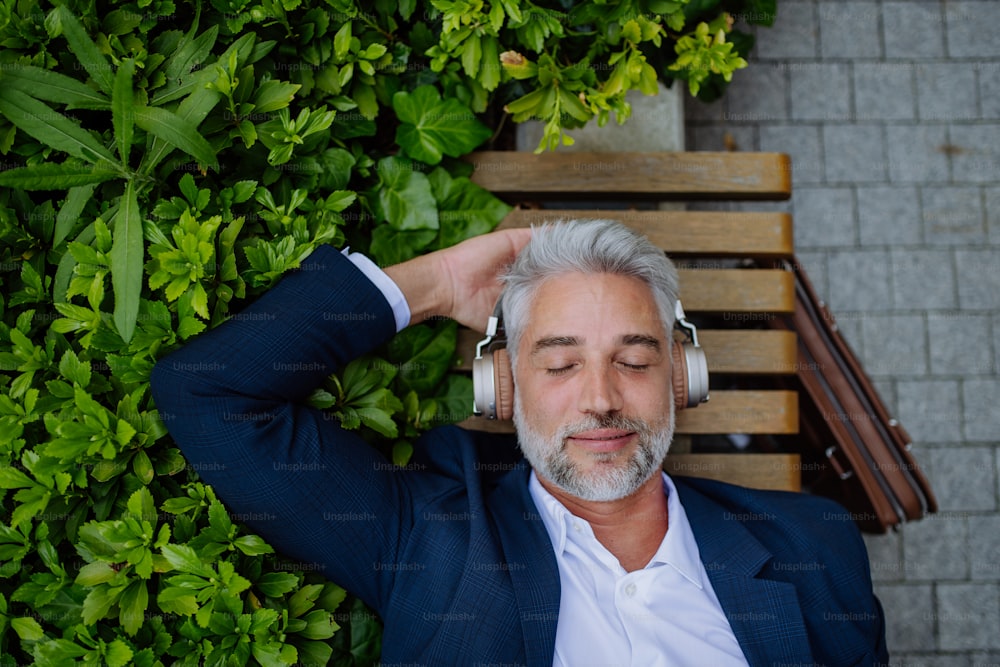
(664, 614)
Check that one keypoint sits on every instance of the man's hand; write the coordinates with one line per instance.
(460, 282)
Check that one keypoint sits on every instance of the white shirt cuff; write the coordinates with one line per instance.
(389, 289)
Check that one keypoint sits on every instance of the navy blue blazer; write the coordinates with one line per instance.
(451, 551)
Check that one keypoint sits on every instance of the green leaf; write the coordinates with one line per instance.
(176, 131)
(132, 606)
(185, 559)
(423, 354)
(176, 600)
(252, 545)
(52, 86)
(69, 213)
(126, 263)
(85, 49)
(27, 629)
(466, 210)
(390, 246)
(273, 95)
(118, 653)
(405, 199)
(122, 104)
(50, 127)
(48, 176)
(276, 584)
(431, 127)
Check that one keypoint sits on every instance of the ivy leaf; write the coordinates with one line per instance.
(431, 127)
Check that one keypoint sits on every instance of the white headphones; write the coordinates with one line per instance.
(493, 378)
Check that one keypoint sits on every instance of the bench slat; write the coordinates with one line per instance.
(726, 412)
(629, 175)
(743, 352)
(781, 472)
(683, 233)
(735, 291)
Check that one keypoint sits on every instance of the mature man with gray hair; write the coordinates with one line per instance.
(585, 554)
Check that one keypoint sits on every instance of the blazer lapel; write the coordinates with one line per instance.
(534, 571)
(764, 614)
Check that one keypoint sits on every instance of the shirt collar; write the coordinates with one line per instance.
(678, 549)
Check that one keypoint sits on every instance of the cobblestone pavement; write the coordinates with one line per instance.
(891, 113)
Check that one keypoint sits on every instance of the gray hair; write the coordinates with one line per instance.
(590, 247)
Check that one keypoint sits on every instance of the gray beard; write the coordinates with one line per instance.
(613, 479)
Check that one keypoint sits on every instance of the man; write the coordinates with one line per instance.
(590, 555)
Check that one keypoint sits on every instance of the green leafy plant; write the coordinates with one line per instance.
(164, 163)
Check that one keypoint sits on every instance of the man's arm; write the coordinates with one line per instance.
(232, 400)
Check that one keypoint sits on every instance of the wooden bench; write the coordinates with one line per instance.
(724, 294)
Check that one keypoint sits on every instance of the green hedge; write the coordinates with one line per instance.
(165, 162)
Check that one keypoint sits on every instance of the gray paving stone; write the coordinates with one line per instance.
(915, 153)
(824, 217)
(913, 29)
(936, 548)
(968, 32)
(859, 280)
(946, 91)
(885, 554)
(982, 418)
(888, 215)
(814, 265)
(953, 216)
(696, 110)
(996, 343)
(984, 659)
(960, 344)
(988, 73)
(984, 547)
(992, 198)
(978, 278)
(714, 138)
(757, 94)
(854, 153)
(963, 478)
(929, 410)
(885, 91)
(849, 30)
(820, 91)
(923, 279)
(894, 345)
(802, 143)
(968, 616)
(977, 158)
(793, 35)
(909, 625)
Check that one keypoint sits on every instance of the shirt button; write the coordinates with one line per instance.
(630, 590)
(577, 528)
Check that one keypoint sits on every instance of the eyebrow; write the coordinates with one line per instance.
(642, 340)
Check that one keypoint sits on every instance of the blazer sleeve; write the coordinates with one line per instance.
(232, 400)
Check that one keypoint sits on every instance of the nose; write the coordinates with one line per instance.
(599, 391)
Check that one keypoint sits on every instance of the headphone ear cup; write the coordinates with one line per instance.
(690, 376)
(483, 389)
(503, 382)
(679, 376)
